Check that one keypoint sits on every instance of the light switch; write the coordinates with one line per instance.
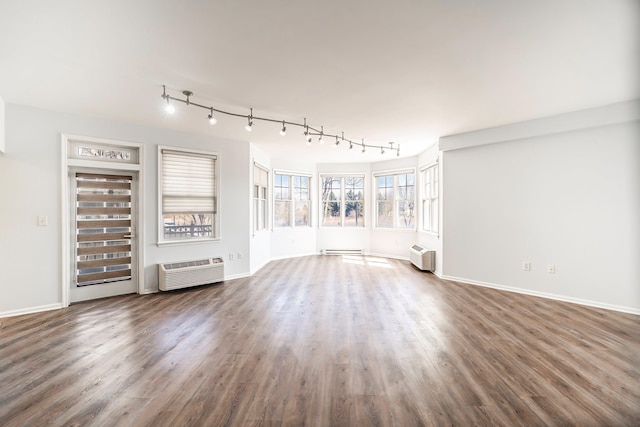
(43, 220)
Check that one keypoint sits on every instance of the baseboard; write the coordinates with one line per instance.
(401, 258)
(31, 310)
(291, 256)
(556, 297)
(237, 276)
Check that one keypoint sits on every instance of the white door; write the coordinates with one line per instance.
(103, 243)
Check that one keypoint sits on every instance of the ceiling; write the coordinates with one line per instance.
(407, 71)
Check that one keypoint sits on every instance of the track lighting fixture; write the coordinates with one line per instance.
(309, 132)
(249, 125)
(212, 120)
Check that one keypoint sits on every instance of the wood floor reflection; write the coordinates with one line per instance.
(322, 341)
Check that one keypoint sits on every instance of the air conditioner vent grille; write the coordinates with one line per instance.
(185, 264)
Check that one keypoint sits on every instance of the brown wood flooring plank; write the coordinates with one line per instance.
(322, 340)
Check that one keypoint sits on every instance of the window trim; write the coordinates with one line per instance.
(394, 173)
(423, 171)
(216, 215)
(342, 177)
(292, 207)
(266, 200)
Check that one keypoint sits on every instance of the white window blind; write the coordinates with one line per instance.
(188, 183)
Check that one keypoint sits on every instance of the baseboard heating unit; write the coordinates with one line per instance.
(423, 258)
(342, 252)
(184, 274)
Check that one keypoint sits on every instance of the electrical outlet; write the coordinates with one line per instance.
(232, 256)
(43, 221)
(551, 269)
(239, 255)
(526, 266)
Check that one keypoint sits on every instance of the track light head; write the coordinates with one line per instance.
(283, 131)
(212, 120)
(169, 108)
(381, 150)
(249, 125)
(320, 139)
(337, 142)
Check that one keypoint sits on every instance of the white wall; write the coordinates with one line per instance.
(30, 171)
(571, 199)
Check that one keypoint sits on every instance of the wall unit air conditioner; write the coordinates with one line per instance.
(423, 258)
(178, 275)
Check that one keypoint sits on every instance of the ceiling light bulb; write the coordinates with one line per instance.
(381, 150)
(170, 108)
(212, 120)
(337, 142)
(283, 131)
(350, 145)
(309, 141)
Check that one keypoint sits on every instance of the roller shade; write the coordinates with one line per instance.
(188, 183)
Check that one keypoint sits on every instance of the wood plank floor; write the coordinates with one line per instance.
(322, 341)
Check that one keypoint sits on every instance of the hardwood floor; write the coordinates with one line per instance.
(322, 341)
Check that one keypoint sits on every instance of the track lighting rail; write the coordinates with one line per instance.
(309, 131)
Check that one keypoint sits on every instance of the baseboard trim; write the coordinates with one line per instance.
(31, 310)
(398, 257)
(291, 256)
(237, 276)
(563, 298)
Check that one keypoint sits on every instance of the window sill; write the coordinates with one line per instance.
(186, 242)
(395, 230)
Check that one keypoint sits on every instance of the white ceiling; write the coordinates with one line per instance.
(408, 71)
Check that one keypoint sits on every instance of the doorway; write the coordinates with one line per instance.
(102, 250)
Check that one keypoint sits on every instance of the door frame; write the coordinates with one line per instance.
(97, 164)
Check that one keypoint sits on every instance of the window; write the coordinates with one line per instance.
(260, 185)
(187, 195)
(395, 200)
(291, 202)
(430, 199)
(342, 201)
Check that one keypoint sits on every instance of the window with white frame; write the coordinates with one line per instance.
(260, 185)
(430, 199)
(291, 201)
(187, 195)
(342, 201)
(395, 200)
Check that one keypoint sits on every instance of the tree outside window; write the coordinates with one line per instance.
(291, 204)
(395, 200)
(342, 201)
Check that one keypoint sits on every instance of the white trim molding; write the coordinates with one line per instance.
(31, 310)
(555, 297)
